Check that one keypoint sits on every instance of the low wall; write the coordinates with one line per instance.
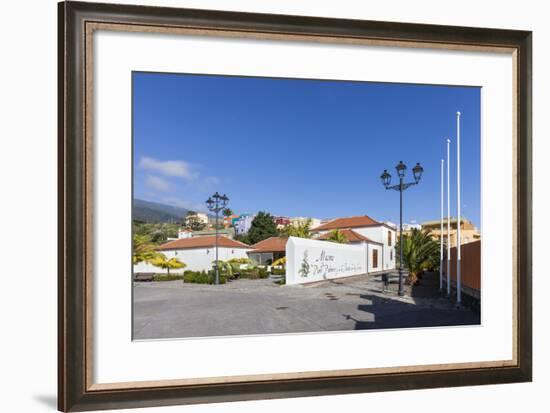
(310, 260)
(470, 266)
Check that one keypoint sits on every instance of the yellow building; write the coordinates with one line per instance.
(468, 231)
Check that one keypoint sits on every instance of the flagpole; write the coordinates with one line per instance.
(448, 218)
(441, 229)
(458, 239)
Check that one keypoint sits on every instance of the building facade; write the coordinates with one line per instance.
(243, 224)
(379, 235)
(468, 231)
(197, 253)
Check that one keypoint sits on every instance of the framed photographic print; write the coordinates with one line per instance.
(262, 206)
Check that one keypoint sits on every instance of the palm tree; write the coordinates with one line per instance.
(225, 267)
(300, 229)
(337, 236)
(167, 264)
(280, 261)
(143, 249)
(227, 212)
(420, 253)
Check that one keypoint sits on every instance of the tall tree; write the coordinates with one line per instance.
(263, 226)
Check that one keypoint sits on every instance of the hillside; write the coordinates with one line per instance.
(148, 211)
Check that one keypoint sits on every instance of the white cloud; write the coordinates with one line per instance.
(158, 184)
(180, 169)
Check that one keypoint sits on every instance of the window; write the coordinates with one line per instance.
(375, 258)
(391, 255)
(389, 238)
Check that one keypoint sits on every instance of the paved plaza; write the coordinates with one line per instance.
(242, 307)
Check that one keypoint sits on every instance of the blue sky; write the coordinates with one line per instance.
(301, 147)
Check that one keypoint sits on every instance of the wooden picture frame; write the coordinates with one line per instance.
(76, 24)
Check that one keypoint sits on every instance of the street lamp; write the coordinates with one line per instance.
(401, 168)
(216, 203)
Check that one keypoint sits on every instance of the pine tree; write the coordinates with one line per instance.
(263, 226)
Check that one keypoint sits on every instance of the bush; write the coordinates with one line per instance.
(202, 277)
(166, 277)
(254, 273)
(278, 271)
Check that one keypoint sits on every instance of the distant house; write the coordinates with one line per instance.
(281, 222)
(243, 224)
(297, 221)
(198, 253)
(198, 216)
(269, 250)
(468, 231)
(380, 237)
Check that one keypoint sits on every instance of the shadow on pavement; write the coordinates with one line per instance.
(430, 309)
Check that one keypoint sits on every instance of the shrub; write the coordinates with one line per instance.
(254, 273)
(278, 271)
(166, 277)
(202, 277)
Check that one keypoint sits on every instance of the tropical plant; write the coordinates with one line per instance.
(167, 264)
(300, 229)
(227, 212)
(279, 262)
(143, 249)
(338, 237)
(420, 253)
(263, 226)
(224, 267)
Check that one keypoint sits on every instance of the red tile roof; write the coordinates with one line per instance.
(202, 242)
(271, 244)
(351, 236)
(348, 222)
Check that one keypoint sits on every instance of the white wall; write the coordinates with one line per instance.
(380, 234)
(196, 259)
(29, 131)
(324, 259)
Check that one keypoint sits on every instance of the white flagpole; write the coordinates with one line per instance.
(458, 238)
(441, 229)
(448, 217)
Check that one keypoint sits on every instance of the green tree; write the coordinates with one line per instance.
(337, 236)
(163, 262)
(262, 227)
(300, 229)
(227, 212)
(143, 249)
(420, 253)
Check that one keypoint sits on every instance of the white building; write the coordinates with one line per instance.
(380, 237)
(199, 216)
(243, 224)
(198, 253)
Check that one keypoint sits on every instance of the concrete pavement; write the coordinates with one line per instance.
(243, 307)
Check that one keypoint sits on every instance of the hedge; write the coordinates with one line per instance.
(166, 277)
(202, 277)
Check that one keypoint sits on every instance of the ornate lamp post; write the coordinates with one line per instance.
(216, 203)
(386, 181)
